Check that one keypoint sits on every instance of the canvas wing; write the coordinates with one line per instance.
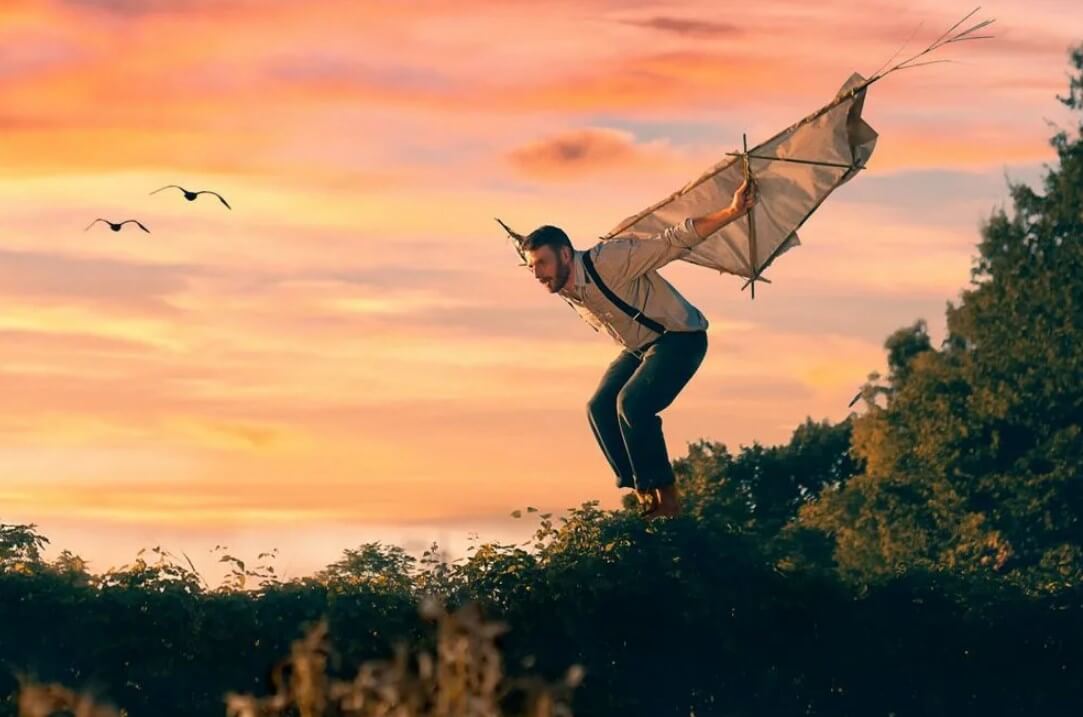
(794, 172)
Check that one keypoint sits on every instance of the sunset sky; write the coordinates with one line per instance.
(353, 352)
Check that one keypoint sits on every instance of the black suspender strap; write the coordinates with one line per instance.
(617, 301)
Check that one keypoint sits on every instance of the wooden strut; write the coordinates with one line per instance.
(751, 220)
(756, 273)
(798, 161)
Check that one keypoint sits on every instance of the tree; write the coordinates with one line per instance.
(759, 491)
(20, 547)
(976, 462)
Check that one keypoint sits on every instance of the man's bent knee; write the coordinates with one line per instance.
(599, 405)
(632, 408)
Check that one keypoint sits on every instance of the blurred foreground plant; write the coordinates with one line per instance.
(464, 677)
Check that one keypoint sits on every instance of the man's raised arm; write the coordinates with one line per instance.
(642, 255)
(743, 199)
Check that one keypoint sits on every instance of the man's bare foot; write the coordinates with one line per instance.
(669, 502)
(648, 501)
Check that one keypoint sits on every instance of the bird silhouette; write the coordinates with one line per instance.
(190, 196)
(114, 226)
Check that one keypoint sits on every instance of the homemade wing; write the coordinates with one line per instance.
(794, 172)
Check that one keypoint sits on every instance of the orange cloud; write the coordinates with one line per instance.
(694, 27)
(586, 151)
(654, 81)
(978, 146)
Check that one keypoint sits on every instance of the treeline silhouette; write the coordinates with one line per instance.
(921, 558)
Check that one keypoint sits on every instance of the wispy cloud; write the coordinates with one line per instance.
(53, 277)
(687, 26)
(586, 151)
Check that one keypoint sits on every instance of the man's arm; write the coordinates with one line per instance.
(708, 224)
(642, 255)
(741, 204)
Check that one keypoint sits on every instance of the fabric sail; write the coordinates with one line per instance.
(794, 172)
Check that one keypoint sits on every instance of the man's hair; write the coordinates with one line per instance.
(546, 236)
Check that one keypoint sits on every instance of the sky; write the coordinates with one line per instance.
(353, 353)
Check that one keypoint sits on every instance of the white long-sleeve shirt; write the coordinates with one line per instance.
(629, 268)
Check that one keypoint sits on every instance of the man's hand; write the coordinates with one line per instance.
(743, 198)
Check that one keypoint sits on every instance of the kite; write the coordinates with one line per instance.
(794, 172)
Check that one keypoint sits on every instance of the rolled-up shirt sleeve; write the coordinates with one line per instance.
(638, 256)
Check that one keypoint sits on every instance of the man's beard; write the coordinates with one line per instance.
(561, 277)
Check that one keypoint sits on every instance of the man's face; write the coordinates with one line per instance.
(551, 267)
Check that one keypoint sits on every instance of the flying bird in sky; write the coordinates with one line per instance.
(116, 227)
(190, 196)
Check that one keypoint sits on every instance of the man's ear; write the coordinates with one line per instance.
(566, 253)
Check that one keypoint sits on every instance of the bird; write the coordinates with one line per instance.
(190, 196)
(116, 227)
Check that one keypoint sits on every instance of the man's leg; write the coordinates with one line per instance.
(602, 415)
(665, 369)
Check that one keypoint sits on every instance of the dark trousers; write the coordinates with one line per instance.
(623, 412)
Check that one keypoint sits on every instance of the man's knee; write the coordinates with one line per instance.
(600, 405)
(632, 406)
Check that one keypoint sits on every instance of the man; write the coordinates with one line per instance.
(616, 285)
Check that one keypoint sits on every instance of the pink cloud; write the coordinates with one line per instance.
(686, 26)
(584, 151)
